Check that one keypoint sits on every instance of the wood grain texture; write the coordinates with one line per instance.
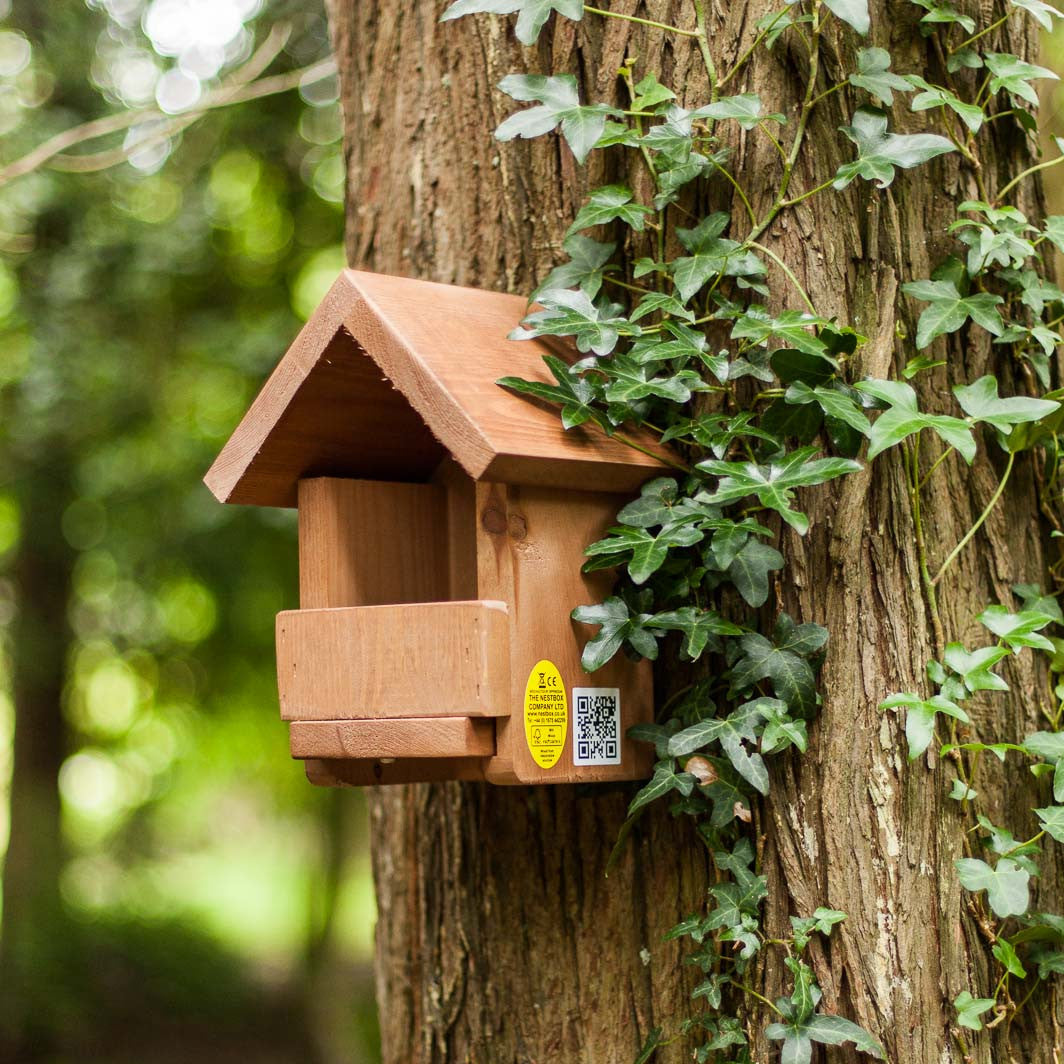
(371, 543)
(432, 659)
(428, 737)
(530, 547)
(388, 366)
(852, 825)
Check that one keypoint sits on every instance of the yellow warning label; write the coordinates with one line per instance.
(546, 713)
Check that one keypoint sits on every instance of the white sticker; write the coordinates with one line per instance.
(596, 726)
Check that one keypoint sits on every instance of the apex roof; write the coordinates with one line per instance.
(389, 376)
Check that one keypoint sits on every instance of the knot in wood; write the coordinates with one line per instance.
(518, 526)
(493, 519)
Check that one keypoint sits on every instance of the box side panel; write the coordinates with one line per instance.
(530, 547)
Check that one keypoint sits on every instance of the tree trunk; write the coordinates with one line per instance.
(519, 949)
(33, 947)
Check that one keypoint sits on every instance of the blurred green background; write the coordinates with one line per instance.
(186, 895)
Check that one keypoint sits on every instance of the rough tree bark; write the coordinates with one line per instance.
(499, 938)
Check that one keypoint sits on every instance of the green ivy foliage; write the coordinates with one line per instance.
(753, 408)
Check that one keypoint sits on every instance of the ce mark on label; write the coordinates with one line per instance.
(549, 682)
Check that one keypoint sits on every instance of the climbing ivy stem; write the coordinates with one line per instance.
(739, 190)
(930, 594)
(827, 92)
(703, 47)
(741, 61)
(1024, 174)
(787, 272)
(975, 36)
(629, 442)
(642, 21)
(799, 132)
(979, 521)
(937, 462)
(760, 997)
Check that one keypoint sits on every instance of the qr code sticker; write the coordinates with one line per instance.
(596, 726)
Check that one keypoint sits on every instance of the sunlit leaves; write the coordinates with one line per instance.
(531, 14)
(610, 203)
(710, 255)
(585, 269)
(1012, 74)
(970, 1009)
(746, 109)
(980, 401)
(1006, 884)
(773, 483)
(903, 418)
(569, 313)
(854, 12)
(798, 1035)
(558, 105)
(879, 152)
(1017, 630)
(875, 76)
(940, 12)
(573, 393)
(1052, 821)
(949, 309)
(920, 717)
(1042, 12)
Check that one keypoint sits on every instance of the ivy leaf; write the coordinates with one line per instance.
(980, 401)
(629, 381)
(1049, 745)
(648, 550)
(974, 667)
(798, 1036)
(662, 303)
(942, 13)
(773, 484)
(607, 204)
(650, 93)
(874, 75)
(781, 730)
(879, 152)
(665, 780)
(558, 105)
(1052, 818)
(823, 920)
(1017, 630)
(936, 96)
(949, 310)
(710, 255)
(732, 733)
(532, 14)
(792, 326)
(617, 627)
(904, 417)
(835, 403)
(585, 268)
(745, 109)
(920, 717)
(1035, 602)
(659, 503)
(854, 12)
(572, 392)
(698, 626)
(961, 793)
(749, 570)
(783, 663)
(1014, 75)
(736, 900)
(1042, 12)
(571, 313)
(969, 1009)
(653, 1042)
(1006, 884)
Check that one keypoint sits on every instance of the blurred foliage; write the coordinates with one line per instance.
(205, 885)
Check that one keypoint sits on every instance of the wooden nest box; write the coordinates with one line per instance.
(442, 524)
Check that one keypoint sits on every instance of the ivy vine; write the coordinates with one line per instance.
(749, 405)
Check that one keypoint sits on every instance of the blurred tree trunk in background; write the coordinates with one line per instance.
(500, 940)
(33, 944)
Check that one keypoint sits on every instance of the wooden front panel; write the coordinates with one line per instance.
(432, 659)
(530, 547)
(443, 737)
